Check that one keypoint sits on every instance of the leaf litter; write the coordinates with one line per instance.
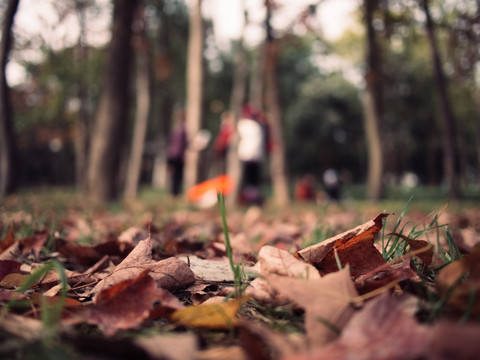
(164, 291)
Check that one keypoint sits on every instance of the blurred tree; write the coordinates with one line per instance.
(278, 170)
(7, 137)
(446, 111)
(110, 127)
(143, 103)
(83, 118)
(372, 102)
(194, 91)
(168, 40)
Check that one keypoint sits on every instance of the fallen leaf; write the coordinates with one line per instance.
(261, 342)
(213, 316)
(455, 341)
(379, 331)
(328, 302)
(170, 346)
(8, 267)
(272, 260)
(221, 353)
(170, 273)
(460, 281)
(8, 240)
(125, 304)
(280, 262)
(423, 249)
(386, 276)
(23, 246)
(354, 247)
(21, 326)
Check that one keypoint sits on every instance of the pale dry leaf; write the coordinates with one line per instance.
(328, 302)
(170, 346)
(21, 326)
(381, 330)
(273, 260)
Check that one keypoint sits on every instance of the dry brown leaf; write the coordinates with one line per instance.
(450, 281)
(261, 342)
(423, 248)
(124, 305)
(24, 246)
(455, 341)
(170, 273)
(8, 267)
(354, 247)
(379, 331)
(328, 302)
(8, 240)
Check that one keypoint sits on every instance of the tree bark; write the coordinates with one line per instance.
(372, 104)
(163, 92)
(7, 136)
(446, 113)
(142, 109)
(112, 118)
(194, 92)
(278, 169)
(82, 122)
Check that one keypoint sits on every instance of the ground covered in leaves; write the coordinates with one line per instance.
(163, 280)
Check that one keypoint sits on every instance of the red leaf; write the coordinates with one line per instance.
(125, 304)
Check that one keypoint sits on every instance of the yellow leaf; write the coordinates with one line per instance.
(218, 316)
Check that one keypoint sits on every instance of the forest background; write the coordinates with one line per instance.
(396, 93)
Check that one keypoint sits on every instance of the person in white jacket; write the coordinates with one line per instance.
(251, 153)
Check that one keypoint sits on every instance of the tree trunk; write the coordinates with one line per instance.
(112, 118)
(446, 113)
(142, 111)
(7, 142)
(163, 110)
(372, 104)
(278, 168)
(194, 92)
(236, 101)
(82, 123)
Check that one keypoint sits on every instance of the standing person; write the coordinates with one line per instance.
(251, 152)
(177, 145)
(222, 142)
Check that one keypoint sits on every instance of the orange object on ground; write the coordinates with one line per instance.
(223, 183)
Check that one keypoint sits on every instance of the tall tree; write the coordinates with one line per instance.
(446, 113)
(278, 169)
(142, 108)
(83, 118)
(372, 103)
(7, 143)
(194, 91)
(111, 122)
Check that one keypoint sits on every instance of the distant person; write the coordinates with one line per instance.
(177, 145)
(222, 141)
(305, 189)
(331, 181)
(252, 147)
